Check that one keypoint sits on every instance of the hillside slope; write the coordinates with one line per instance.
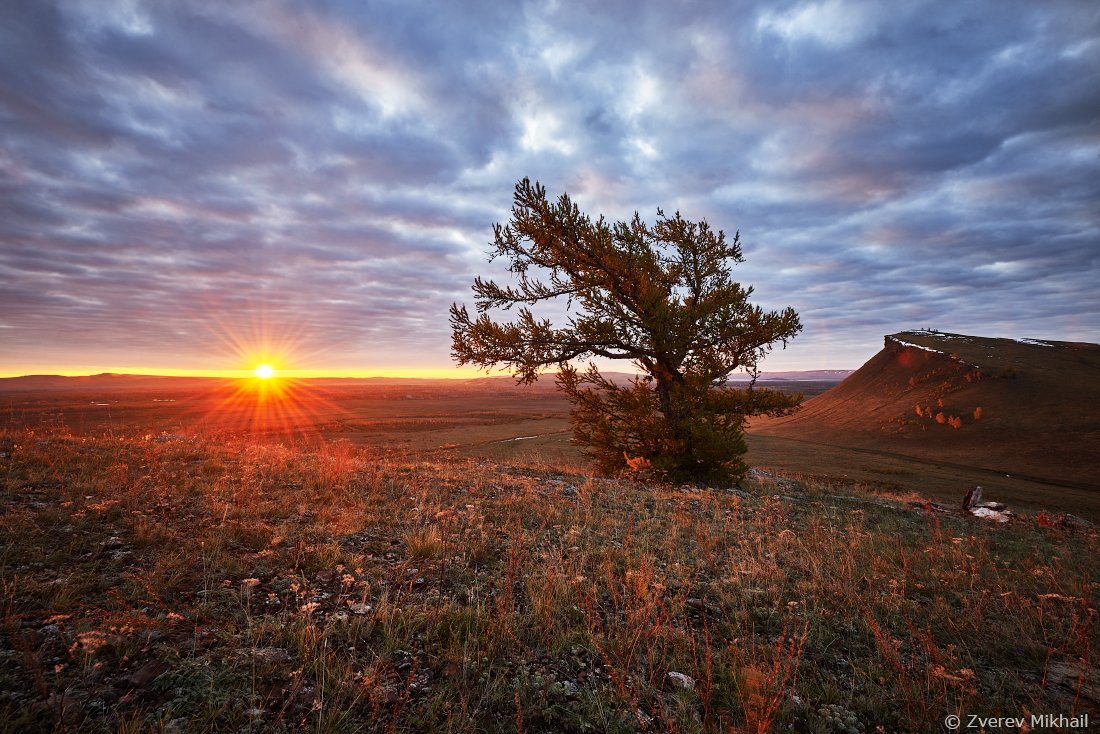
(1027, 408)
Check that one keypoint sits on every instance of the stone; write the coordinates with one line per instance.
(989, 514)
(149, 672)
(973, 504)
(69, 704)
(388, 694)
(1075, 676)
(402, 660)
(570, 689)
(681, 681)
(273, 655)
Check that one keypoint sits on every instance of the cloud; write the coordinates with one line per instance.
(178, 171)
(831, 23)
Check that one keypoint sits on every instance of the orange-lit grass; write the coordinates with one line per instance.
(491, 588)
(270, 408)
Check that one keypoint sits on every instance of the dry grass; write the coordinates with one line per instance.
(196, 585)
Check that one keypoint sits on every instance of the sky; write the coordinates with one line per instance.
(192, 186)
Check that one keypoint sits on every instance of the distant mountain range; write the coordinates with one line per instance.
(106, 380)
(798, 376)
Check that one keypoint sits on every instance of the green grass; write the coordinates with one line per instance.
(326, 588)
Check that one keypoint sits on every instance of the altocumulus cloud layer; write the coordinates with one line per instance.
(175, 175)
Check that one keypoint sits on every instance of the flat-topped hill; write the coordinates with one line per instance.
(1028, 407)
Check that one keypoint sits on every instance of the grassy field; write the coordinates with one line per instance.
(246, 582)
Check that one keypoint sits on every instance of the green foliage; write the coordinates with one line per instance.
(660, 296)
(621, 424)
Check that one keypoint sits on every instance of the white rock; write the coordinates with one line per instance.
(989, 514)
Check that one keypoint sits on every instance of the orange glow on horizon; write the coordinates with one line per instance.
(247, 350)
(423, 373)
(257, 385)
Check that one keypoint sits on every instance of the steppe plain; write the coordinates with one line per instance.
(189, 555)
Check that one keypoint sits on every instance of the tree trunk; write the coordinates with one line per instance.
(672, 409)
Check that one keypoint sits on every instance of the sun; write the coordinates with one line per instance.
(264, 371)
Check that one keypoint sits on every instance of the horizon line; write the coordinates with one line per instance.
(396, 373)
(313, 374)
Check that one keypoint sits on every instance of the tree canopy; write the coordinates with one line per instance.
(661, 296)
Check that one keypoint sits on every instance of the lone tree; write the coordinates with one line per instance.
(660, 296)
